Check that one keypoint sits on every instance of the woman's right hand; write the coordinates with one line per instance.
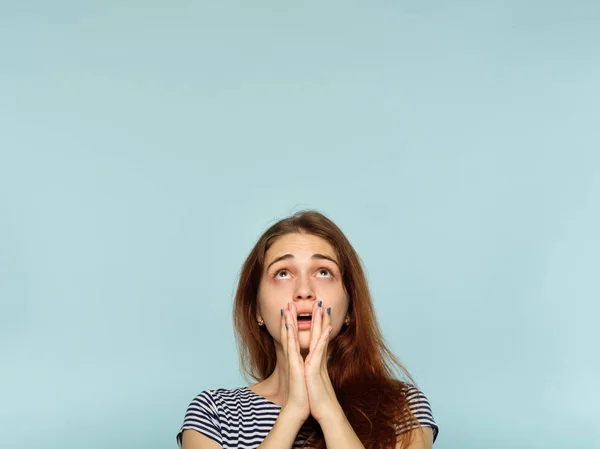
(296, 403)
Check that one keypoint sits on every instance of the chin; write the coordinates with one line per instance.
(304, 339)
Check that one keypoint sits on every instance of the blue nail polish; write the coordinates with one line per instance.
(286, 325)
(328, 310)
(320, 303)
(281, 312)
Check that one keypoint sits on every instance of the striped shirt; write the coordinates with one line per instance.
(240, 418)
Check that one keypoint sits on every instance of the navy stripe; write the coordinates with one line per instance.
(239, 418)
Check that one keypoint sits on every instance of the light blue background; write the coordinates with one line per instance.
(145, 145)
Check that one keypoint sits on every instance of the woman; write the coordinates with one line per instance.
(306, 330)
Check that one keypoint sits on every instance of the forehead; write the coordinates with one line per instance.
(299, 245)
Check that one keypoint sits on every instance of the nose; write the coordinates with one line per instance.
(304, 290)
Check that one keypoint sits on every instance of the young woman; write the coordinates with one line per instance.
(307, 332)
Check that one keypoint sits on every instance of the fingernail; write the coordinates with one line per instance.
(320, 303)
(281, 312)
(286, 325)
(328, 310)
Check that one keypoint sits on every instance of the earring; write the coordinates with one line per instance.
(347, 321)
(261, 322)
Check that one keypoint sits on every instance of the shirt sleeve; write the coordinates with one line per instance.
(420, 407)
(202, 415)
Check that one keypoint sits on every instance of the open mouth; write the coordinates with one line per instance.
(304, 321)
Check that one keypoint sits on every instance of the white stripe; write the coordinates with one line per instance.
(239, 418)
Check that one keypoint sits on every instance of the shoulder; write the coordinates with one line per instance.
(217, 397)
(207, 412)
(204, 401)
(227, 414)
(202, 415)
(415, 396)
(420, 407)
(221, 403)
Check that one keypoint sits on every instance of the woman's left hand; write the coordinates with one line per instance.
(321, 395)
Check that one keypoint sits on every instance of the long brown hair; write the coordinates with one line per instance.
(361, 366)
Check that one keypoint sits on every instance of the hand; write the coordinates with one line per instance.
(321, 395)
(296, 401)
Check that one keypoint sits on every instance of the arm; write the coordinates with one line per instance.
(282, 435)
(422, 439)
(192, 439)
(339, 434)
(284, 432)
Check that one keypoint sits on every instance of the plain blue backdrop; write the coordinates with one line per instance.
(145, 146)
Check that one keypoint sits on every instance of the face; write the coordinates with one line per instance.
(301, 269)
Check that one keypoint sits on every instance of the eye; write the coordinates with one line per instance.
(280, 271)
(325, 270)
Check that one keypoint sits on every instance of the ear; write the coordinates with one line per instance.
(258, 314)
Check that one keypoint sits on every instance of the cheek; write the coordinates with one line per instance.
(334, 290)
(275, 292)
(334, 296)
(272, 298)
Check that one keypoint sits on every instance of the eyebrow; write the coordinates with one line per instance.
(313, 257)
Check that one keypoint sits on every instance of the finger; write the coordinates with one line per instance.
(293, 348)
(320, 352)
(294, 313)
(283, 339)
(327, 322)
(315, 325)
(327, 318)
